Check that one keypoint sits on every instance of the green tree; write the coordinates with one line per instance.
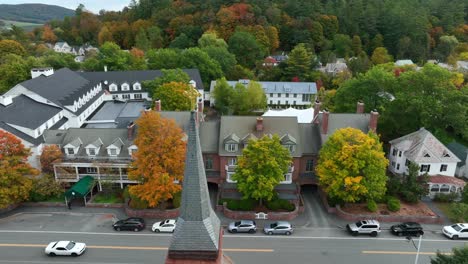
(356, 45)
(198, 59)
(262, 166)
(459, 256)
(225, 59)
(155, 37)
(60, 60)
(414, 187)
(342, 45)
(113, 57)
(209, 39)
(359, 64)
(381, 56)
(247, 99)
(182, 42)
(222, 93)
(238, 72)
(13, 71)
(447, 45)
(246, 48)
(352, 166)
(11, 47)
(172, 75)
(298, 63)
(141, 40)
(177, 96)
(163, 59)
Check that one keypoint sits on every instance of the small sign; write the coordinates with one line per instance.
(261, 215)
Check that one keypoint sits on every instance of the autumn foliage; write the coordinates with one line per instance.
(159, 161)
(352, 166)
(14, 169)
(50, 154)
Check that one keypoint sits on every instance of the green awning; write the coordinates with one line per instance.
(81, 188)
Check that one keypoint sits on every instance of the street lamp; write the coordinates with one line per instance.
(408, 238)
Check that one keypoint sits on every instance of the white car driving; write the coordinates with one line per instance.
(456, 231)
(167, 225)
(65, 248)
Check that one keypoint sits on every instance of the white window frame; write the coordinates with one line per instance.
(232, 162)
(231, 147)
(92, 149)
(109, 151)
(68, 151)
(113, 87)
(125, 87)
(125, 96)
(92, 170)
(137, 96)
(137, 86)
(425, 168)
(443, 167)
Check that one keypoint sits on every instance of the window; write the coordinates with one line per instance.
(271, 95)
(427, 155)
(92, 152)
(115, 96)
(279, 95)
(137, 96)
(425, 168)
(287, 95)
(279, 102)
(113, 87)
(399, 153)
(395, 151)
(125, 87)
(309, 165)
(209, 163)
(137, 86)
(70, 151)
(231, 147)
(407, 162)
(91, 170)
(443, 167)
(271, 102)
(294, 103)
(398, 166)
(125, 96)
(291, 148)
(287, 102)
(113, 152)
(306, 97)
(295, 95)
(393, 164)
(232, 161)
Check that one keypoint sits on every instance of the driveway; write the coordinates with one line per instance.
(314, 211)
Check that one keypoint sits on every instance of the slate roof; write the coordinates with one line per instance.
(338, 120)
(198, 227)
(241, 126)
(422, 146)
(19, 134)
(310, 138)
(63, 87)
(131, 77)
(459, 150)
(278, 87)
(89, 136)
(26, 112)
(209, 133)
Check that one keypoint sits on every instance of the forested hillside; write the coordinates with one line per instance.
(333, 28)
(33, 13)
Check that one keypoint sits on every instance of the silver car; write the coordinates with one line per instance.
(243, 226)
(279, 227)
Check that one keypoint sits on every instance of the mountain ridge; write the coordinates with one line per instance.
(34, 13)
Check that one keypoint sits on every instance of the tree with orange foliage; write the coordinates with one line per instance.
(159, 161)
(14, 169)
(48, 35)
(50, 154)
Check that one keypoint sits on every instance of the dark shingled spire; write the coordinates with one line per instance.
(198, 228)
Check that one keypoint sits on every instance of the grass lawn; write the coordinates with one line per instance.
(60, 198)
(445, 208)
(108, 198)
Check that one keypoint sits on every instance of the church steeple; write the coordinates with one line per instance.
(198, 233)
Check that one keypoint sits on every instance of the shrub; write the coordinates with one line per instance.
(246, 204)
(459, 211)
(177, 199)
(409, 196)
(45, 187)
(464, 196)
(393, 204)
(273, 205)
(126, 194)
(445, 197)
(372, 206)
(136, 203)
(233, 205)
(280, 204)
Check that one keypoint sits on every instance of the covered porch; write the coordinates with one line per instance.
(445, 184)
(82, 189)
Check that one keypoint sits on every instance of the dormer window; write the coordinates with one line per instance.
(114, 148)
(92, 152)
(73, 147)
(136, 86)
(125, 87)
(446, 155)
(289, 142)
(427, 155)
(291, 148)
(112, 152)
(132, 150)
(113, 87)
(231, 147)
(70, 151)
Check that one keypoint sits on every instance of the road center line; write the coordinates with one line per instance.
(401, 252)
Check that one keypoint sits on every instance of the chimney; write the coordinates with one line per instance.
(317, 105)
(36, 72)
(325, 121)
(360, 107)
(130, 130)
(157, 105)
(105, 68)
(259, 125)
(374, 117)
(6, 100)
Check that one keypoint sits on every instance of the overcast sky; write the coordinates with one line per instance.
(92, 5)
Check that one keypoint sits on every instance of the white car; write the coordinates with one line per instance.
(65, 248)
(456, 231)
(167, 225)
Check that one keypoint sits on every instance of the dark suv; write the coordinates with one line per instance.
(133, 223)
(407, 229)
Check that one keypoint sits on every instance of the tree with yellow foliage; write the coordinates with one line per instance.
(159, 161)
(352, 166)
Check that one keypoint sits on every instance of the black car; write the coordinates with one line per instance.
(132, 223)
(407, 229)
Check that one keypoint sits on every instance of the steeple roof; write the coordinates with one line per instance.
(198, 228)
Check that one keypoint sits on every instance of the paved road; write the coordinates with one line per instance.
(23, 236)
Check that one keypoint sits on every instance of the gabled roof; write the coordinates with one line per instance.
(26, 112)
(117, 143)
(248, 137)
(198, 227)
(460, 151)
(96, 144)
(422, 146)
(232, 138)
(75, 142)
(287, 139)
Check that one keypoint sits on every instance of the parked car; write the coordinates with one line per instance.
(167, 225)
(279, 227)
(407, 229)
(456, 231)
(243, 226)
(133, 223)
(370, 227)
(65, 248)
